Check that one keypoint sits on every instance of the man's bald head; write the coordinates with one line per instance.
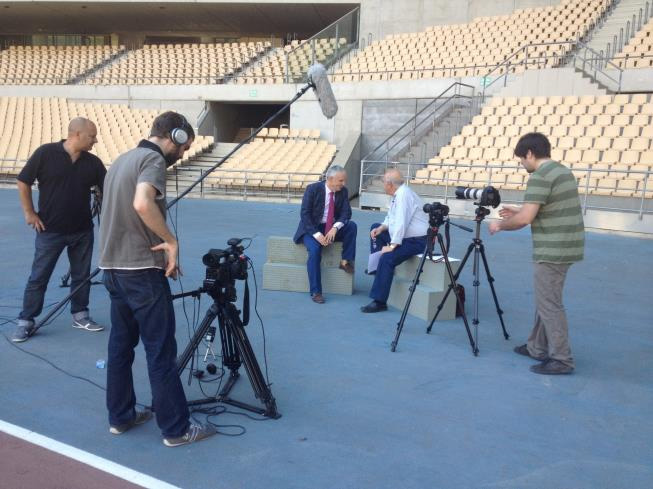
(79, 124)
(392, 180)
(82, 134)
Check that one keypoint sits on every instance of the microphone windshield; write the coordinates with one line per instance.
(317, 76)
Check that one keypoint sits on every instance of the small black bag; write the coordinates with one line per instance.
(460, 307)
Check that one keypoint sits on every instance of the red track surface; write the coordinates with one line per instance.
(24, 465)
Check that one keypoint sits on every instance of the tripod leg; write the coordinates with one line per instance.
(444, 299)
(235, 330)
(64, 301)
(452, 277)
(476, 285)
(185, 357)
(413, 286)
(490, 280)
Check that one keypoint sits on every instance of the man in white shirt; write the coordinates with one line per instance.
(401, 235)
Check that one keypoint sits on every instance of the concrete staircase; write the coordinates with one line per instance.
(185, 174)
(622, 13)
(423, 147)
(91, 72)
(551, 81)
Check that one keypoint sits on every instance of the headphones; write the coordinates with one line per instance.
(179, 135)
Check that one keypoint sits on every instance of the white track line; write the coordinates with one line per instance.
(87, 458)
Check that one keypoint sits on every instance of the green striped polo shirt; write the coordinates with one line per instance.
(558, 230)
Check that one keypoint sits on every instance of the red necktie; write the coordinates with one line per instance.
(330, 212)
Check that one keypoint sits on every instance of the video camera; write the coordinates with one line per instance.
(224, 267)
(488, 196)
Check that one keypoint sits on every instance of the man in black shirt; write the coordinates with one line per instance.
(65, 172)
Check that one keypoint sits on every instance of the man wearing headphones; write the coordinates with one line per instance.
(138, 253)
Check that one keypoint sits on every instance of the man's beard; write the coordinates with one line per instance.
(170, 159)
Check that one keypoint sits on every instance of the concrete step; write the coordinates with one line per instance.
(623, 12)
(433, 284)
(294, 278)
(285, 268)
(282, 249)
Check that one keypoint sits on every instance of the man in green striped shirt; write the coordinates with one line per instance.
(552, 208)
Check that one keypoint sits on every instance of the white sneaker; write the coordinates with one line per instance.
(87, 323)
(196, 432)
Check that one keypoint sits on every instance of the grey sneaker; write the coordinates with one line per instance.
(196, 432)
(552, 367)
(87, 323)
(140, 418)
(24, 330)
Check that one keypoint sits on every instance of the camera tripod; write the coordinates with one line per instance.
(236, 351)
(479, 249)
(435, 221)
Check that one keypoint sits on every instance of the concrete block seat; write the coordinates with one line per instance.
(433, 284)
(285, 268)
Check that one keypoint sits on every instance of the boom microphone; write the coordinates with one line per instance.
(317, 77)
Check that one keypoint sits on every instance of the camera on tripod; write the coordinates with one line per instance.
(488, 196)
(437, 212)
(224, 267)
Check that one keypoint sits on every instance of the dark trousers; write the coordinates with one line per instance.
(346, 234)
(141, 305)
(386, 268)
(47, 250)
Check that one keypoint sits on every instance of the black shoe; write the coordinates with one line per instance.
(370, 273)
(552, 367)
(523, 350)
(375, 306)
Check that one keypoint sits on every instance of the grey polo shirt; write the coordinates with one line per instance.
(125, 240)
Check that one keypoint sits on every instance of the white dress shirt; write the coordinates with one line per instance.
(405, 218)
(336, 225)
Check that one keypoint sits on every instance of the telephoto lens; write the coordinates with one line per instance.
(488, 196)
(468, 193)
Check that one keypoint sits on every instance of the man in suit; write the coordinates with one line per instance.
(325, 218)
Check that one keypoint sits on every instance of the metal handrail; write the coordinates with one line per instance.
(512, 61)
(629, 30)
(455, 85)
(647, 183)
(248, 190)
(311, 40)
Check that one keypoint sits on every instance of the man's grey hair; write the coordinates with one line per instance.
(393, 177)
(333, 169)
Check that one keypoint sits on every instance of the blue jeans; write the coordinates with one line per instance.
(141, 306)
(386, 268)
(346, 234)
(48, 249)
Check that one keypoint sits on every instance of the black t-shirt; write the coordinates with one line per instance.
(64, 186)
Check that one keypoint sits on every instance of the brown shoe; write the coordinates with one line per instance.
(347, 266)
(317, 298)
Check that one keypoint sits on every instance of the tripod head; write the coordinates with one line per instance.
(481, 212)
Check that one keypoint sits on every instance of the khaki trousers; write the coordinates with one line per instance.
(550, 337)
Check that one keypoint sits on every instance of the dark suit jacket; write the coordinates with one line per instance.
(313, 209)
